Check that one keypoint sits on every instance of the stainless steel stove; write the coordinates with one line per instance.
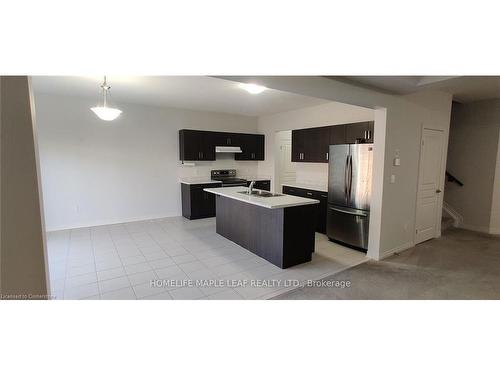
(227, 177)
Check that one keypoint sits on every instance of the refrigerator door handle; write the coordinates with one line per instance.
(348, 212)
(350, 177)
(346, 168)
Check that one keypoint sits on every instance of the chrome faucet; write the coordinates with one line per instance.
(250, 187)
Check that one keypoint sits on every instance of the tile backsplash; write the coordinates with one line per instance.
(312, 173)
(224, 161)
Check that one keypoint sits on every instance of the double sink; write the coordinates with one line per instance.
(260, 193)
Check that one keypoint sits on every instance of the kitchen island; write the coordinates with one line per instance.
(277, 227)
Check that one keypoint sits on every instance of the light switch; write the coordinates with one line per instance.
(393, 178)
(397, 160)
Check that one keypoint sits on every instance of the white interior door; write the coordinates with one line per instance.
(286, 169)
(429, 193)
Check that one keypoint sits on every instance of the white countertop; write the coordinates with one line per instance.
(198, 181)
(281, 201)
(322, 188)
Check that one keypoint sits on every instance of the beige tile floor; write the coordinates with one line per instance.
(459, 265)
(120, 262)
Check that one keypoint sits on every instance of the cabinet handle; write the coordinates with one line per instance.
(327, 156)
(202, 154)
(309, 193)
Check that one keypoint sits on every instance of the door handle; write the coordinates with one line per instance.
(349, 212)
(350, 176)
(346, 166)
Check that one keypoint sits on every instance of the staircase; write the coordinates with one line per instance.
(450, 217)
(446, 222)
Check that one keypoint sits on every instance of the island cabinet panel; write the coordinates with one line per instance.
(197, 203)
(282, 236)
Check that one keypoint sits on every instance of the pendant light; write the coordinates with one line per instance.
(104, 112)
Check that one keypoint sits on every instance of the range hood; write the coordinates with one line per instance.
(228, 149)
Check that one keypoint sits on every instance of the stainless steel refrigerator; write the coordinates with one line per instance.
(349, 193)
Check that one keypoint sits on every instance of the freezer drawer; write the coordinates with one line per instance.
(348, 226)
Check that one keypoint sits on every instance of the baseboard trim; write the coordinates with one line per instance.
(476, 228)
(495, 231)
(110, 222)
(397, 249)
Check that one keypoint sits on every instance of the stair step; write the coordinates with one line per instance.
(446, 222)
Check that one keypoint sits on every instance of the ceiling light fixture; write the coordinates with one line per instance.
(252, 88)
(104, 112)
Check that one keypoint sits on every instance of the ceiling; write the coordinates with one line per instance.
(464, 88)
(191, 92)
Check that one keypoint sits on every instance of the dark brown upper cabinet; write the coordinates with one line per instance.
(359, 132)
(311, 145)
(337, 134)
(298, 144)
(226, 139)
(195, 145)
(252, 147)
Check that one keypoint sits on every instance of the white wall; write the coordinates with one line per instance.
(96, 172)
(473, 158)
(495, 200)
(393, 205)
(22, 247)
(310, 117)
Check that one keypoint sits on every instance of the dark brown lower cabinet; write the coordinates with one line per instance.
(196, 203)
(313, 194)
